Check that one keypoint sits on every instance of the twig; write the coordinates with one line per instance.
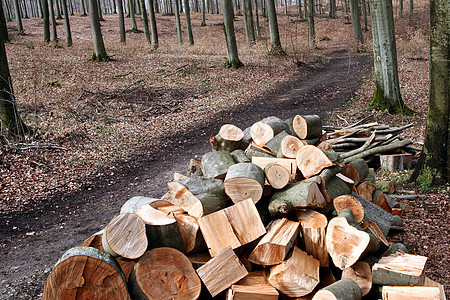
(81, 95)
(134, 83)
(342, 118)
(176, 71)
(395, 130)
(359, 122)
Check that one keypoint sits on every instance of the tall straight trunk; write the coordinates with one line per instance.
(332, 9)
(299, 4)
(264, 8)
(178, 22)
(285, 8)
(131, 12)
(356, 23)
(83, 8)
(99, 47)
(58, 11)
(196, 7)
(203, 13)
(67, 23)
(364, 5)
(305, 11)
(114, 8)
(8, 11)
(71, 9)
(411, 9)
(25, 10)
(217, 7)
(121, 22)
(433, 168)
(153, 28)
(346, 15)
(187, 15)
(3, 29)
(258, 32)
(400, 12)
(230, 38)
(33, 9)
(145, 21)
(387, 88)
(53, 20)
(46, 18)
(100, 14)
(18, 16)
(248, 20)
(311, 31)
(275, 42)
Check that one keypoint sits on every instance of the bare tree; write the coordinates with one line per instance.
(187, 15)
(67, 23)
(99, 47)
(230, 38)
(18, 16)
(275, 42)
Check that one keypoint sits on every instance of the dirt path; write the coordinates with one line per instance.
(31, 242)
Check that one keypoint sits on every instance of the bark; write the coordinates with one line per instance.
(230, 38)
(243, 181)
(100, 14)
(275, 42)
(332, 9)
(347, 19)
(178, 22)
(203, 13)
(187, 15)
(83, 8)
(58, 10)
(411, 9)
(132, 11)
(145, 21)
(99, 47)
(433, 167)
(153, 28)
(364, 6)
(3, 30)
(45, 15)
(18, 16)
(121, 22)
(345, 288)
(248, 20)
(356, 23)
(67, 23)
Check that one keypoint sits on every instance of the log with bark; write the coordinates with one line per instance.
(288, 163)
(243, 181)
(344, 289)
(253, 286)
(361, 273)
(190, 233)
(311, 160)
(307, 127)
(290, 145)
(357, 170)
(264, 130)
(277, 175)
(274, 144)
(228, 139)
(194, 168)
(215, 164)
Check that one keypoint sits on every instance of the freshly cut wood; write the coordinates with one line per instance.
(345, 243)
(344, 289)
(233, 226)
(170, 209)
(222, 271)
(178, 176)
(307, 127)
(215, 164)
(379, 199)
(190, 233)
(239, 156)
(228, 139)
(313, 227)
(164, 273)
(357, 170)
(277, 175)
(431, 283)
(290, 146)
(325, 146)
(410, 293)
(400, 269)
(375, 230)
(85, 273)
(311, 160)
(297, 276)
(274, 145)
(376, 214)
(264, 130)
(275, 245)
(365, 190)
(387, 186)
(289, 163)
(254, 150)
(125, 236)
(348, 201)
(243, 181)
(131, 205)
(254, 292)
(395, 162)
(361, 273)
(254, 278)
(302, 194)
(338, 185)
(198, 195)
(194, 168)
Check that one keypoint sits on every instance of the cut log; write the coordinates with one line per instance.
(338, 185)
(277, 175)
(289, 163)
(410, 293)
(85, 273)
(376, 214)
(303, 194)
(125, 237)
(233, 226)
(400, 269)
(215, 164)
(131, 205)
(361, 273)
(430, 283)
(297, 276)
(222, 271)
(395, 162)
(290, 146)
(375, 230)
(243, 181)
(178, 176)
(228, 139)
(275, 245)
(344, 289)
(311, 160)
(194, 168)
(313, 227)
(357, 170)
(198, 195)
(164, 273)
(254, 292)
(379, 199)
(387, 186)
(190, 232)
(264, 130)
(274, 145)
(254, 150)
(169, 209)
(348, 201)
(365, 190)
(307, 127)
(325, 146)
(239, 156)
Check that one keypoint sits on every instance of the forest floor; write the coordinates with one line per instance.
(108, 131)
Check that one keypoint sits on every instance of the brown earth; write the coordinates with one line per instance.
(110, 131)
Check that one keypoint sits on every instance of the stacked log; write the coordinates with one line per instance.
(314, 188)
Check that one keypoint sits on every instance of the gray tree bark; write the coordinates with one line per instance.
(18, 16)
(230, 38)
(187, 15)
(52, 18)
(311, 31)
(332, 9)
(83, 8)
(46, 19)
(275, 42)
(3, 29)
(58, 11)
(364, 5)
(178, 22)
(145, 21)
(356, 23)
(346, 16)
(8, 11)
(67, 23)
(123, 38)
(99, 47)
(131, 12)
(203, 13)
(153, 28)
(248, 20)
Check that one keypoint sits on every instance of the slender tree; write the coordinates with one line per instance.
(46, 19)
(203, 13)
(100, 14)
(53, 20)
(311, 31)
(178, 22)
(364, 5)
(387, 88)
(400, 13)
(411, 9)
(153, 28)
(18, 16)
(3, 29)
(346, 16)
(257, 27)
(99, 47)
(113, 4)
(275, 42)
(25, 10)
(433, 167)
(356, 23)
(187, 15)
(8, 11)
(58, 11)
(131, 12)
(83, 8)
(248, 20)
(230, 38)
(145, 21)
(67, 23)
(121, 22)
(332, 9)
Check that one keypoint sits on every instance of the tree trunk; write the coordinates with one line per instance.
(100, 14)
(411, 9)
(356, 23)
(364, 5)
(257, 27)
(132, 11)
(248, 20)
(433, 168)
(153, 28)
(400, 13)
(178, 22)
(18, 16)
(187, 15)
(275, 42)
(8, 11)
(346, 15)
(332, 9)
(25, 10)
(67, 23)
(113, 4)
(121, 22)
(243, 181)
(53, 21)
(99, 47)
(3, 29)
(203, 13)
(58, 11)
(45, 15)
(145, 22)
(230, 38)
(83, 8)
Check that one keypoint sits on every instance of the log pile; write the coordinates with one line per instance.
(280, 209)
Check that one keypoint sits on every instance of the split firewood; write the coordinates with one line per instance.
(297, 276)
(379, 199)
(373, 228)
(302, 194)
(430, 283)
(239, 156)
(361, 273)
(264, 130)
(164, 273)
(313, 228)
(169, 209)
(198, 259)
(357, 170)
(198, 195)
(228, 139)
(194, 168)
(338, 185)
(253, 286)
(288, 163)
(190, 233)
(86, 273)
(307, 127)
(131, 205)
(215, 164)
(243, 181)
(233, 226)
(125, 236)
(275, 245)
(277, 175)
(344, 289)
(410, 293)
(290, 145)
(348, 201)
(311, 160)
(254, 150)
(400, 269)
(365, 189)
(374, 213)
(274, 144)
(222, 271)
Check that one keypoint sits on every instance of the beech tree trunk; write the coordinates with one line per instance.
(275, 42)
(99, 47)
(178, 22)
(248, 20)
(187, 15)
(67, 23)
(230, 38)
(121, 22)
(3, 30)
(311, 31)
(356, 23)
(18, 16)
